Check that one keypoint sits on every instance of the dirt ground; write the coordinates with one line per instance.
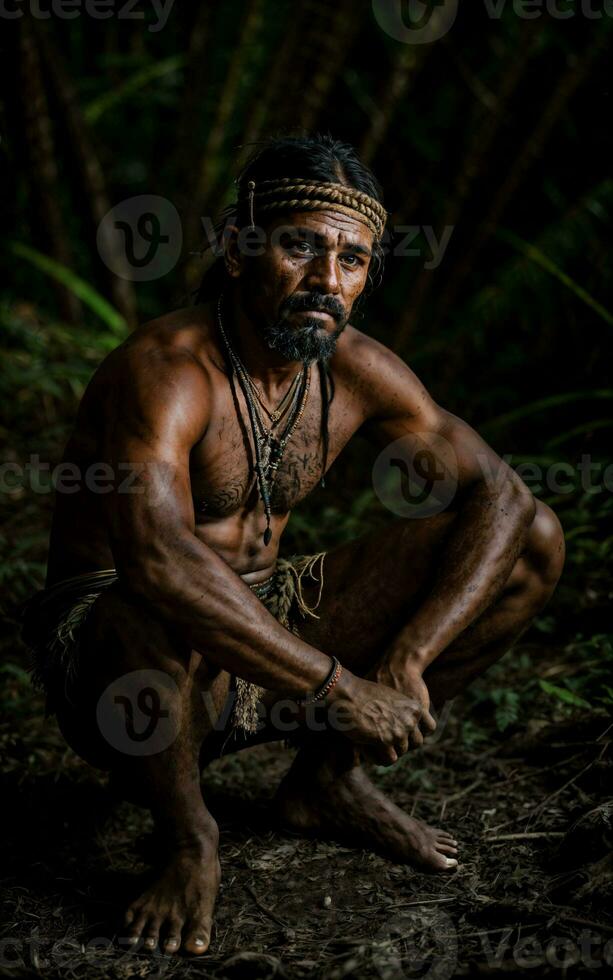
(529, 898)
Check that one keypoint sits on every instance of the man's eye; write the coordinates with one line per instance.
(300, 246)
(352, 260)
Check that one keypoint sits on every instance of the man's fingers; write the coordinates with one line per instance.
(428, 721)
(381, 755)
(390, 756)
(417, 738)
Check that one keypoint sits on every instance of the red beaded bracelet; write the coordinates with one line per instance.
(327, 685)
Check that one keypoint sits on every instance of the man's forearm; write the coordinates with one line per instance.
(216, 613)
(483, 545)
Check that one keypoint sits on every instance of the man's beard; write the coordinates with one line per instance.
(308, 342)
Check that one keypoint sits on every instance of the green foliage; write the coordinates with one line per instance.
(81, 289)
(515, 691)
(564, 694)
(46, 366)
(536, 255)
(140, 79)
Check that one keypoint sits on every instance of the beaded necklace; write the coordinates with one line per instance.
(269, 447)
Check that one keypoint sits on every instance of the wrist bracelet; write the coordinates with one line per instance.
(327, 685)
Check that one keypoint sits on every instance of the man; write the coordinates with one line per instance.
(165, 591)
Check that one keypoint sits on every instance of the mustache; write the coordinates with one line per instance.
(319, 302)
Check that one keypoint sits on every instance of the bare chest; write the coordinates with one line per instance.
(223, 464)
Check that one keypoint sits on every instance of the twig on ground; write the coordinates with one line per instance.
(528, 836)
(263, 908)
(540, 806)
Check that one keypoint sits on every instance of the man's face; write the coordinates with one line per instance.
(300, 292)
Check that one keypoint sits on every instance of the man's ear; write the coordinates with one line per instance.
(233, 260)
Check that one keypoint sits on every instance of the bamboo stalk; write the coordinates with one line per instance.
(491, 117)
(531, 150)
(269, 97)
(332, 41)
(197, 74)
(210, 162)
(121, 289)
(409, 61)
(44, 178)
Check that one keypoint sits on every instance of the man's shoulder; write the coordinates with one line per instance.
(176, 342)
(164, 362)
(383, 380)
(363, 357)
(181, 334)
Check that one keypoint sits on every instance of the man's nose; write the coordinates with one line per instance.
(322, 275)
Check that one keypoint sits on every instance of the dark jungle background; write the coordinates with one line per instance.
(499, 132)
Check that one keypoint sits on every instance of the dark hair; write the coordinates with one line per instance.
(318, 157)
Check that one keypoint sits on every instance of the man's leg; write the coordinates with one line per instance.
(157, 767)
(371, 587)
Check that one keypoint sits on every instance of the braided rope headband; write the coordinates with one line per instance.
(296, 194)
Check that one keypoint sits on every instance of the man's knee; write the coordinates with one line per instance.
(122, 633)
(545, 549)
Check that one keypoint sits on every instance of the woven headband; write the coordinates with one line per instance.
(296, 194)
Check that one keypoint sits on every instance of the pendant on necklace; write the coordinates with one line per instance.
(265, 451)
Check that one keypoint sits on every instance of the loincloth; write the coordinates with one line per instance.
(53, 621)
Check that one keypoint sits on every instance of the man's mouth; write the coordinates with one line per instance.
(316, 313)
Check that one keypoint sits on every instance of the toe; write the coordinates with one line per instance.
(444, 833)
(172, 938)
(197, 944)
(197, 938)
(445, 848)
(151, 934)
(136, 924)
(441, 862)
(171, 944)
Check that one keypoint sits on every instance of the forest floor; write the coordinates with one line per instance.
(529, 896)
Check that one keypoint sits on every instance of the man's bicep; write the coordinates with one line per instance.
(436, 440)
(148, 445)
(474, 458)
(398, 403)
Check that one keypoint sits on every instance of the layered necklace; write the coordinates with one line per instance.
(271, 437)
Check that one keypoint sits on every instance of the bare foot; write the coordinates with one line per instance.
(349, 808)
(176, 912)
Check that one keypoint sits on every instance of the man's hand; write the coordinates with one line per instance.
(385, 720)
(405, 676)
